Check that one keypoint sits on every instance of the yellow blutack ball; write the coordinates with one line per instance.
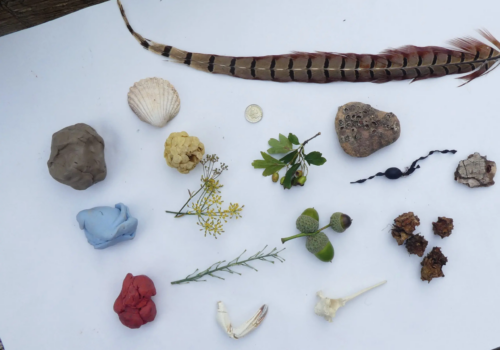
(183, 152)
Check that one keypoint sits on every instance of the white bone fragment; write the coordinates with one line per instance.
(239, 332)
(327, 308)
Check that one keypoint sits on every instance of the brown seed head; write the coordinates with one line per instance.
(416, 245)
(443, 227)
(432, 265)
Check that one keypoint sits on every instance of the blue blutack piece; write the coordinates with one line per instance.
(106, 226)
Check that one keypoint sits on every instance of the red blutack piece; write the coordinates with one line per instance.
(134, 305)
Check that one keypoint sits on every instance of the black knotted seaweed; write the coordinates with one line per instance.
(395, 173)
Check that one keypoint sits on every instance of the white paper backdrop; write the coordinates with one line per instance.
(57, 292)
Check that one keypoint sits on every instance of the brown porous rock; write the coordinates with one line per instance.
(363, 130)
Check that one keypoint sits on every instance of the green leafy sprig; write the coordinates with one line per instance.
(296, 161)
(218, 267)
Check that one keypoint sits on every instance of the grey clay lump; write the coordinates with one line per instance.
(77, 157)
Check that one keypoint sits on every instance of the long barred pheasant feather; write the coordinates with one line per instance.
(409, 62)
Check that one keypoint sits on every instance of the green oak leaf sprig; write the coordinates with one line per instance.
(296, 161)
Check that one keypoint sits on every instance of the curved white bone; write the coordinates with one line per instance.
(239, 332)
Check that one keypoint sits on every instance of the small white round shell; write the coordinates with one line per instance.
(154, 101)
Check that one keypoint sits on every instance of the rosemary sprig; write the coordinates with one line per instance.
(260, 255)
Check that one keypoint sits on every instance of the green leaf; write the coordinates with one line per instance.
(288, 158)
(274, 143)
(272, 169)
(315, 158)
(293, 139)
(270, 164)
(285, 141)
(268, 158)
(259, 164)
(289, 174)
(282, 146)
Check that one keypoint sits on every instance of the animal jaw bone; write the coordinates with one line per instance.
(327, 308)
(239, 332)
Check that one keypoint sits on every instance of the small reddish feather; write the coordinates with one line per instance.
(476, 74)
(488, 36)
(468, 44)
(473, 46)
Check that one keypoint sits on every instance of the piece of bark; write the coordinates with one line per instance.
(476, 171)
(432, 265)
(416, 244)
(17, 15)
(443, 227)
(363, 130)
(403, 227)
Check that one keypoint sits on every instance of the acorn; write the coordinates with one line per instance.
(276, 177)
(301, 180)
(320, 246)
(308, 221)
(340, 222)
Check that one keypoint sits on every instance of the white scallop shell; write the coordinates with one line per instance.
(154, 101)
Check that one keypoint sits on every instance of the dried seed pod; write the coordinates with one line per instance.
(416, 245)
(403, 227)
(443, 227)
(432, 265)
(476, 171)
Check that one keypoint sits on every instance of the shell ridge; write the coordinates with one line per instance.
(154, 101)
